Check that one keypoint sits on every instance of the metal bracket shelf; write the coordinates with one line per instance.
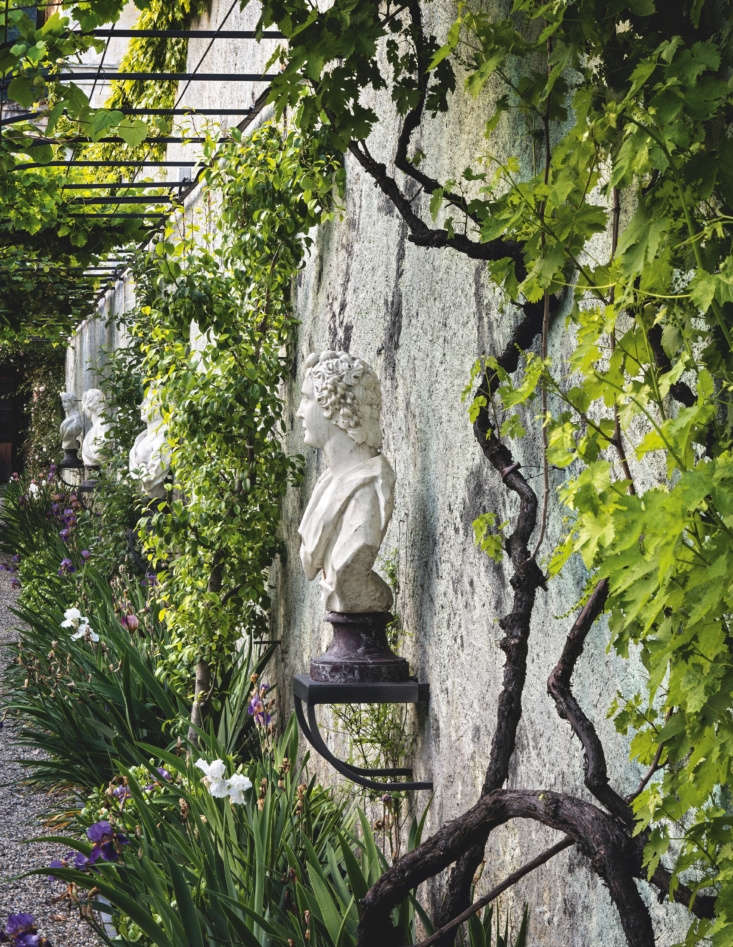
(311, 693)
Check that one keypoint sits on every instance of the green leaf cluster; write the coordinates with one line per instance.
(215, 537)
(629, 109)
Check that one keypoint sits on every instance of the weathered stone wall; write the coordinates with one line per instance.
(421, 317)
(94, 338)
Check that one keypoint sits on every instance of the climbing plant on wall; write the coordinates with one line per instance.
(622, 110)
(47, 244)
(214, 539)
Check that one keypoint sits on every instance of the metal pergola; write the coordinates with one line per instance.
(161, 198)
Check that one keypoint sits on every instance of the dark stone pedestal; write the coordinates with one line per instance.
(359, 652)
(71, 468)
(71, 460)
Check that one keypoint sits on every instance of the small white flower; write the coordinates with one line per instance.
(33, 489)
(85, 631)
(218, 788)
(237, 786)
(72, 617)
(214, 775)
(214, 770)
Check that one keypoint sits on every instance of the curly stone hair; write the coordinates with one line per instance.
(92, 401)
(349, 394)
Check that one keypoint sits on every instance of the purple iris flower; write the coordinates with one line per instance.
(130, 622)
(68, 512)
(65, 533)
(30, 939)
(19, 923)
(55, 507)
(106, 842)
(85, 554)
(66, 567)
(21, 932)
(98, 831)
(121, 793)
(257, 707)
(163, 773)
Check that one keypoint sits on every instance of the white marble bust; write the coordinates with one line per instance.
(92, 448)
(71, 427)
(351, 505)
(150, 457)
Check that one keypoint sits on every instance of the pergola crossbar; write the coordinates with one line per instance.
(139, 215)
(121, 199)
(167, 76)
(98, 185)
(116, 140)
(133, 110)
(181, 34)
(99, 163)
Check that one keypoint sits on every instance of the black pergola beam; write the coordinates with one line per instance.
(167, 76)
(116, 140)
(134, 110)
(193, 112)
(139, 215)
(121, 199)
(96, 185)
(61, 267)
(183, 34)
(89, 163)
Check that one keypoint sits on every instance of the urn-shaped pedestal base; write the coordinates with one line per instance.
(71, 460)
(359, 652)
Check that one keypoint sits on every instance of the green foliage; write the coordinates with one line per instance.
(486, 931)
(488, 536)
(118, 501)
(145, 54)
(106, 693)
(331, 57)
(45, 244)
(41, 372)
(631, 106)
(623, 105)
(288, 863)
(215, 537)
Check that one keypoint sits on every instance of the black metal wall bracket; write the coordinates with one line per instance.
(311, 693)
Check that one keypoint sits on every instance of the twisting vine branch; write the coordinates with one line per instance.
(558, 687)
(613, 855)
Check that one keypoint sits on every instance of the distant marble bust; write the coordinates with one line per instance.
(71, 427)
(352, 502)
(92, 448)
(150, 457)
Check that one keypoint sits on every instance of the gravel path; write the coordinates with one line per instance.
(21, 808)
